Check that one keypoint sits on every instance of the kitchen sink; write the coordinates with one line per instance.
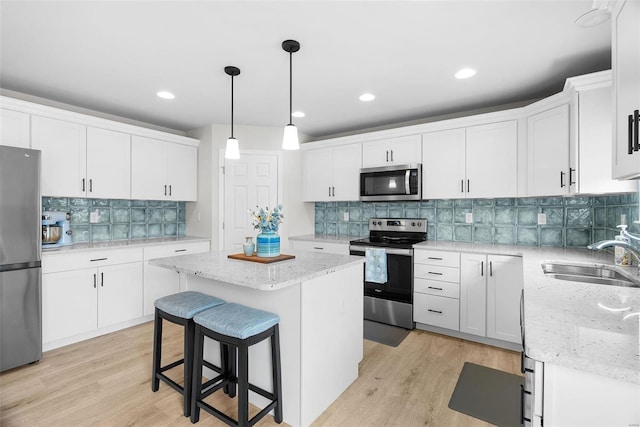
(599, 274)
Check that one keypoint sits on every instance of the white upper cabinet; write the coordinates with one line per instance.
(443, 164)
(14, 128)
(477, 161)
(162, 170)
(394, 151)
(108, 164)
(63, 159)
(548, 152)
(625, 64)
(332, 173)
(492, 160)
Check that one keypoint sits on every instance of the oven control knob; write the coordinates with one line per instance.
(419, 224)
(413, 224)
(379, 222)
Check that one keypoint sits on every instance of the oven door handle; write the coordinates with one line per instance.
(360, 251)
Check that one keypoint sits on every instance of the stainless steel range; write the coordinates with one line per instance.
(391, 302)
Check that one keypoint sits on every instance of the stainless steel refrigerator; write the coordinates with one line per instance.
(20, 249)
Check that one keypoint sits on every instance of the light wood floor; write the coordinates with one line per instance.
(106, 382)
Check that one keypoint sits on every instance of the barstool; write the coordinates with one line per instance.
(236, 327)
(179, 309)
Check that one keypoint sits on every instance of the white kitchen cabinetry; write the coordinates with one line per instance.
(574, 397)
(87, 294)
(472, 162)
(548, 152)
(160, 282)
(108, 164)
(320, 246)
(63, 158)
(625, 64)
(490, 288)
(436, 288)
(332, 174)
(14, 128)
(394, 151)
(163, 170)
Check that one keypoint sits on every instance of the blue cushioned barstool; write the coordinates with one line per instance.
(179, 309)
(236, 327)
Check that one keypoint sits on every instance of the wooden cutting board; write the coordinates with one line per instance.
(259, 259)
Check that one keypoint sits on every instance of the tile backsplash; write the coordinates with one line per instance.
(570, 221)
(120, 219)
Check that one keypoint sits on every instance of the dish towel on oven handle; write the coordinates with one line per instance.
(375, 262)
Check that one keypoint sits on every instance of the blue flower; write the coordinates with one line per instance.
(265, 220)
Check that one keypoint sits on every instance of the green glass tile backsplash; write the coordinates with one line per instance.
(120, 219)
(571, 221)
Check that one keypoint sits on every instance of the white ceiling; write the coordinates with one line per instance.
(114, 56)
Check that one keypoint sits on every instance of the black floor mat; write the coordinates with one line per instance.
(384, 334)
(488, 394)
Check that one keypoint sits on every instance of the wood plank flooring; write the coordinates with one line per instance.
(106, 382)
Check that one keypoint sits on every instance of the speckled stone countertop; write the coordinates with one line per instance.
(267, 277)
(323, 238)
(573, 324)
(122, 244)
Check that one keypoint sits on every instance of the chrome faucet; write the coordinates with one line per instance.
(598, 246)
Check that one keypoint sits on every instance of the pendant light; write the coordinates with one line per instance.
(232, 150)
(290, 139)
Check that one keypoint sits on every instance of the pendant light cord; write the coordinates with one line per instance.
(290, 88)
(232, 106)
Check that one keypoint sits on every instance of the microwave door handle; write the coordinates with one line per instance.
(407, 188)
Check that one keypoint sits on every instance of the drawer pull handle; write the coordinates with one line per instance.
(435, 311)
(99, 259)
(436, 258)
(435, 273)
(378, 290)
(432, 287)
(180, 250)
(319, 248)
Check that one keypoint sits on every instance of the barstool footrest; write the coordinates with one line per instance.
(171, 365)
(262, 392)
(171, 383)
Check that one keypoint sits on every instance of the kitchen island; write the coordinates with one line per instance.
(319, 300)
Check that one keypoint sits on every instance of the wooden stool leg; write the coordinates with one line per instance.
(157, 351)
(277, 381)
(196, 386)
(189, 331)
(243, 385)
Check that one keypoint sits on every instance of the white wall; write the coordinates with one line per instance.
(203, 218)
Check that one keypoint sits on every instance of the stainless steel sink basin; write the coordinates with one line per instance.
(604, 275)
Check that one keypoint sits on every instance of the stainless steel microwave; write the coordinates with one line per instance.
(391, 183)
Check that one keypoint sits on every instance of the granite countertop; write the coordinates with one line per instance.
(573, 324)
(123, 244)
(267, 277)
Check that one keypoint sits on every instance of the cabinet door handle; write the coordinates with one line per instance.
(84, 189)
(320, 248)
(94, 280)
(329, 191)
(169, 189)
(387, 155)
(333, 191)
(435, 273)
(436, 258)
(392, 155)
(491, 268)
(433, 287)
(180, 250)
(91, 185)
(468, 187)
(561, 179)
(482, 268)
(102, 279)
(571, 171)
(462, 185)
(636, 126)
(630, 133)
(435, 311)
(165, 190)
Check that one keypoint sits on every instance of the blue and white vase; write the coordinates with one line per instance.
(268, 244)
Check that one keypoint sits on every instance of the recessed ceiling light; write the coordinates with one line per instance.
(465, 73)
(298, 114)
(366, 97)
(165, 95)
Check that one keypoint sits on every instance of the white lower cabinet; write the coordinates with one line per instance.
(89, 293)
(160, 282)
(490, 288)
(437, 311)
(320, 246)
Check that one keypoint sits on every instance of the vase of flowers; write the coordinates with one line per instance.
(267, 222)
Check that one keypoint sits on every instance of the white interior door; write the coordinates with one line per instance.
(248, 182)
